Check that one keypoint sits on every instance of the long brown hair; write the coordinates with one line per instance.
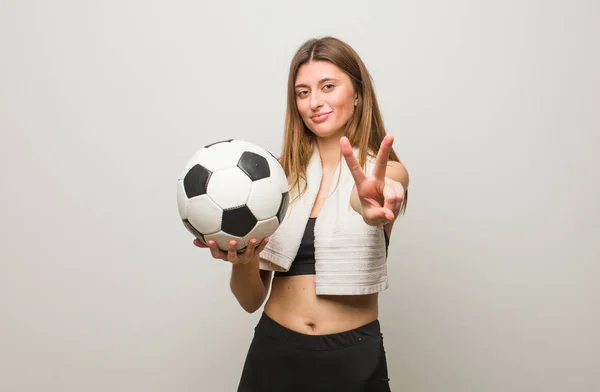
(365, 130)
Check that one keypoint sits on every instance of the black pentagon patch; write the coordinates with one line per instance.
(255, 166)
(220, 141)
(193, 230)
(285, 200)
(196, 181)
(238, 221)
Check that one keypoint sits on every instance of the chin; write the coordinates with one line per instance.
(327, 132)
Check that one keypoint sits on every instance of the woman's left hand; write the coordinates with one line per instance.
(380, 197)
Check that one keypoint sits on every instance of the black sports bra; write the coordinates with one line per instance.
(304, 263)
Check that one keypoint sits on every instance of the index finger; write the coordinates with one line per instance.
(351, 161)
(382, 157)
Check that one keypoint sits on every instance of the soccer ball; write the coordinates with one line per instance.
(232, 189)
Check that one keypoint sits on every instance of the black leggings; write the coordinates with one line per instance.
(282, 360)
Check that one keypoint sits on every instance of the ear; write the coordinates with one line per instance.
(355, 100)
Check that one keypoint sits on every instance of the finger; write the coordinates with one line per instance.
(390, 197)
(200, 244)
(215, 251)
(351, 161)
(382, 157)
(397, 190)
(261, 246)
(388, 215)
(232, 251)
(381, 214)
(373, 215)
(250, 251)
(390, 207)
(400, 197)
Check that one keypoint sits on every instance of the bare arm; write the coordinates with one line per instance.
(250, 285)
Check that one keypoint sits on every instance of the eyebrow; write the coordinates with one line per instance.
(320, 82)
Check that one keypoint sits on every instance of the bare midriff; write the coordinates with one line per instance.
(293, 303)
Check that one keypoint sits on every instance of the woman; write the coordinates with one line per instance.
(319, 330)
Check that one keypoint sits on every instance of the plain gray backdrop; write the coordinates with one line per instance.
(495, 109)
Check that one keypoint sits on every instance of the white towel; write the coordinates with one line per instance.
(350, 255)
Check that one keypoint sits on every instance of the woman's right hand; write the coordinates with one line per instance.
(252, 250)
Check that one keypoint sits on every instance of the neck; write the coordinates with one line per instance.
(329, 151)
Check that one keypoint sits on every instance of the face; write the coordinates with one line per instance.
(325, 98)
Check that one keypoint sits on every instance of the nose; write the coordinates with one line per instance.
(315, 101)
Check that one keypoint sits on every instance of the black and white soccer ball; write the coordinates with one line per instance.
(232, 189)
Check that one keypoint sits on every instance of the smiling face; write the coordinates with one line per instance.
(325, 98)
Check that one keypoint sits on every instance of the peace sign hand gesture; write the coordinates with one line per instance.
(380, 197)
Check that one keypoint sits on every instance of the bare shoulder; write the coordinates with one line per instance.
(397, 172)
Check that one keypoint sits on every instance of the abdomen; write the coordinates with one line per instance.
(294, 304)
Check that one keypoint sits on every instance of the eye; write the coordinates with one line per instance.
(301, 93)
(328, 86)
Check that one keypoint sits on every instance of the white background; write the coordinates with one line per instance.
(495, 109)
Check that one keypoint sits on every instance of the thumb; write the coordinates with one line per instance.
(386, 213)
(378, 214)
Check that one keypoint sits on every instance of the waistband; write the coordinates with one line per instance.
(268, 327)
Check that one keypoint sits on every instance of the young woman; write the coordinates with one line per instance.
(319, 330)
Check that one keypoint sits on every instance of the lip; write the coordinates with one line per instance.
(320, 117)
